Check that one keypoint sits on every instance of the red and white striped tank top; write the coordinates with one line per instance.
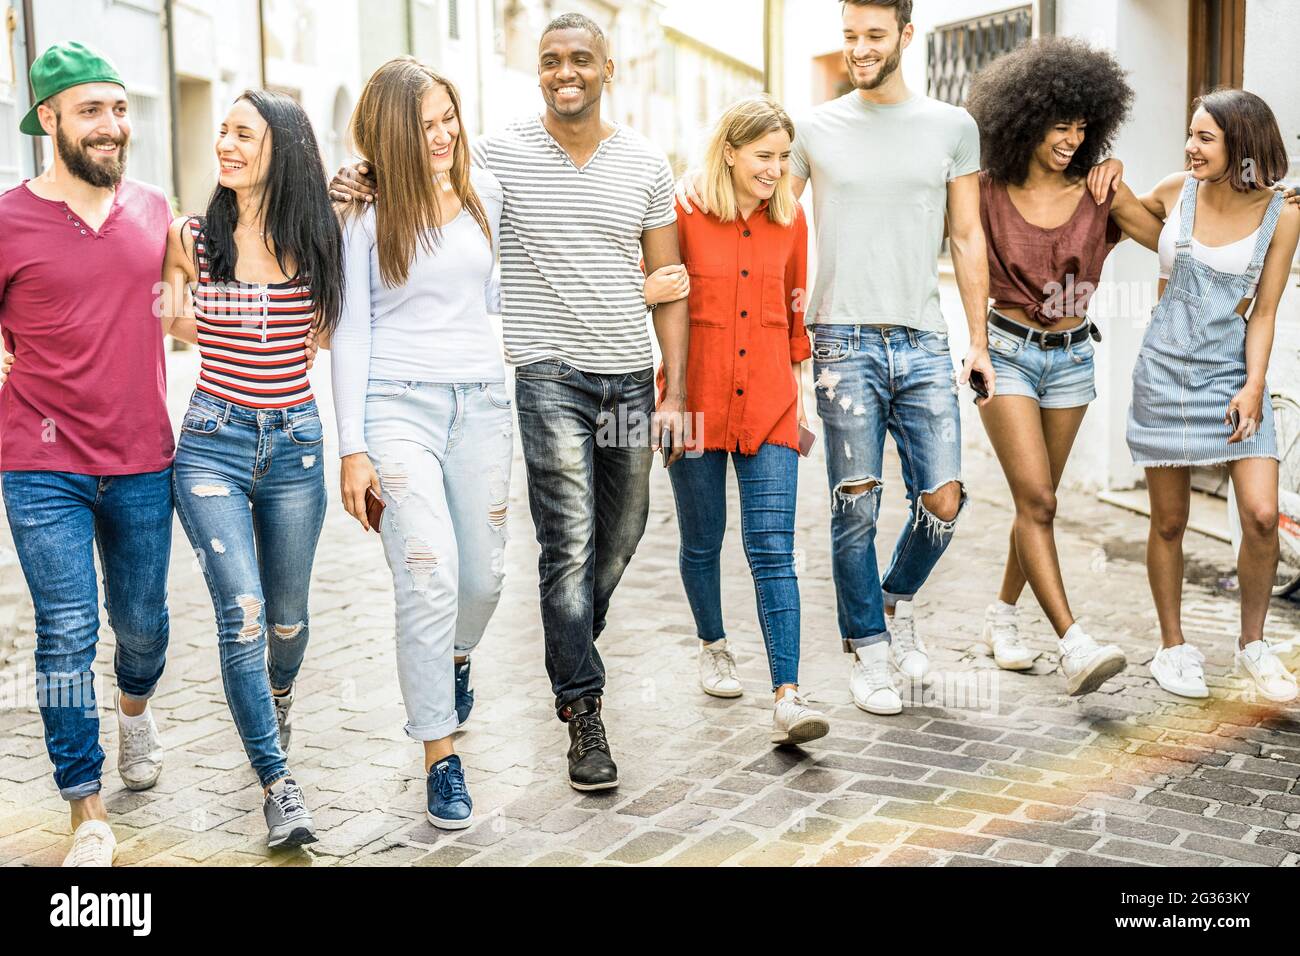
(251, 338)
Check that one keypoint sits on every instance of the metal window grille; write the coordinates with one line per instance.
(960, 50)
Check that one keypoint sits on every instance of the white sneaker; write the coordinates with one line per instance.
(1261, 664)
(907, 650)
(139, 749)
(1086, 664)
(284, 717)
(718, 670)
(794, 722)
(1180, 670)
(92, 845)
(871, 683)
(1001, 637)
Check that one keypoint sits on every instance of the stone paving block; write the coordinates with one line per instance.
(646, 847)
(1234, 850)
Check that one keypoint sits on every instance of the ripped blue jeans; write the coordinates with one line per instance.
(872, 379)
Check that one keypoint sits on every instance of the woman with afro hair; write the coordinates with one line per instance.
(1052, 210)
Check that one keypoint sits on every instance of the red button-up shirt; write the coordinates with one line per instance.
(749, 283)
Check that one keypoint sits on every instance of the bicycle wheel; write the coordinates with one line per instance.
(1286, 418)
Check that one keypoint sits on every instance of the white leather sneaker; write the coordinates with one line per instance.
(92, 845)
(872, 684)
(907, 650)
(1001, 637)
(718, 670)
(1261, 664)
(139, 749)
(1180, 670)
(794, 722)
(1086, 664)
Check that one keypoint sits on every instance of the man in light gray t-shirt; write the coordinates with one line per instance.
(886, 167)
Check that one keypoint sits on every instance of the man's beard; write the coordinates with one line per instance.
(77, 157)
(886, 69)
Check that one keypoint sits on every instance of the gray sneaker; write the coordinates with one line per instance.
(283, 719)
(287, 817)
(139, 749)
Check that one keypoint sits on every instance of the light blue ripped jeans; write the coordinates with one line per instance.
(443, 454)
(872, 379)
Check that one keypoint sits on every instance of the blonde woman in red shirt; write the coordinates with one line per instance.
(744, 275)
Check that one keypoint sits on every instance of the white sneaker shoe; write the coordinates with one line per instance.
(718, 670)
(871, 683)
(1261, 664)
(284, 717)
(1086, 664)
(92, 845)
(1001, 638)
(906, 648)
(139, 749)
(794, 722)
(1180, 670)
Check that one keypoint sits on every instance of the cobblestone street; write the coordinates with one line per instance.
(988, 768)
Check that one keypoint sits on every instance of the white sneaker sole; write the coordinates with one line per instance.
(143, 783)
(1239, 670)
(878, 711)
(1103, 668)
(1191, 693)
(802, 731)
(442, 824)
(987, 645)
(299, 836)
(724, 694)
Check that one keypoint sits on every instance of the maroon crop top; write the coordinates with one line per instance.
(1050, 273)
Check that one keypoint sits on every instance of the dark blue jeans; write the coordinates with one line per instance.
(58, 520)
(250, 493)
(586, 440)
(769, 484)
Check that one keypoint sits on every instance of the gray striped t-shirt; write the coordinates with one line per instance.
(571, 282)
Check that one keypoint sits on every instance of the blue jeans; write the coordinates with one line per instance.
(586, 440)
(872, 380)
(768, 483)
(58, 520)
(443, 456)
(250, 493)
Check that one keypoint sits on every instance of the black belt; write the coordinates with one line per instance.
(1046, 340)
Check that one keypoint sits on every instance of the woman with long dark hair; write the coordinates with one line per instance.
(424, 416)
(264, 270)
(1199, 391)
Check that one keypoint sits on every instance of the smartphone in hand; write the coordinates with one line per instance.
(667, 445)
(806, 441)
(979, 385)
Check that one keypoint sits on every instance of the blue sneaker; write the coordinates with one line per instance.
(449, 804)
(464, 694)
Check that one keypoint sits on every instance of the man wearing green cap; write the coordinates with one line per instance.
(85, 441)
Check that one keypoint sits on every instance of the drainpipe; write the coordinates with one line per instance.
(1046, 18)
(29, 41)
(173, 98)
(261, 42)
(773, 49)
(410, 28)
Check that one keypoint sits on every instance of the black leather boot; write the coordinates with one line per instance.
(590, 765)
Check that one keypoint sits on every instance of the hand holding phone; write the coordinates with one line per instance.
(978, 385)
(807, 438)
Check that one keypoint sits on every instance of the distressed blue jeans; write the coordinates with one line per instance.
(872, 380)
(250, 493)
(58, 521)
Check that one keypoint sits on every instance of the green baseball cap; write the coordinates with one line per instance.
(61, 67)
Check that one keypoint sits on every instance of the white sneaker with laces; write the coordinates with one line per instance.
(718, 670)
(794, 722)
(1261, 664)
(1001, 637)
(139, 749)
(92, 845)
(1086, 664)
(1180, 670)
(872, 684)
(906, 648)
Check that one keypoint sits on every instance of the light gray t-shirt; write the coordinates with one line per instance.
(879, 176)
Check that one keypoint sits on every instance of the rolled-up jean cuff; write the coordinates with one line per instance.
(433, 731)
(82, 790)
(147, 695)
(892, 600)
(852, 644)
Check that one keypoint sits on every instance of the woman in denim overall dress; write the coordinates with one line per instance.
(1199, 395)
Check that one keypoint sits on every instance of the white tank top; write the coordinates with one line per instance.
(1232, 259)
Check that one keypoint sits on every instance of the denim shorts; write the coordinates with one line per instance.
(1055, 378)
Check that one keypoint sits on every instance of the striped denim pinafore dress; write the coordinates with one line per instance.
(1193, 359)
